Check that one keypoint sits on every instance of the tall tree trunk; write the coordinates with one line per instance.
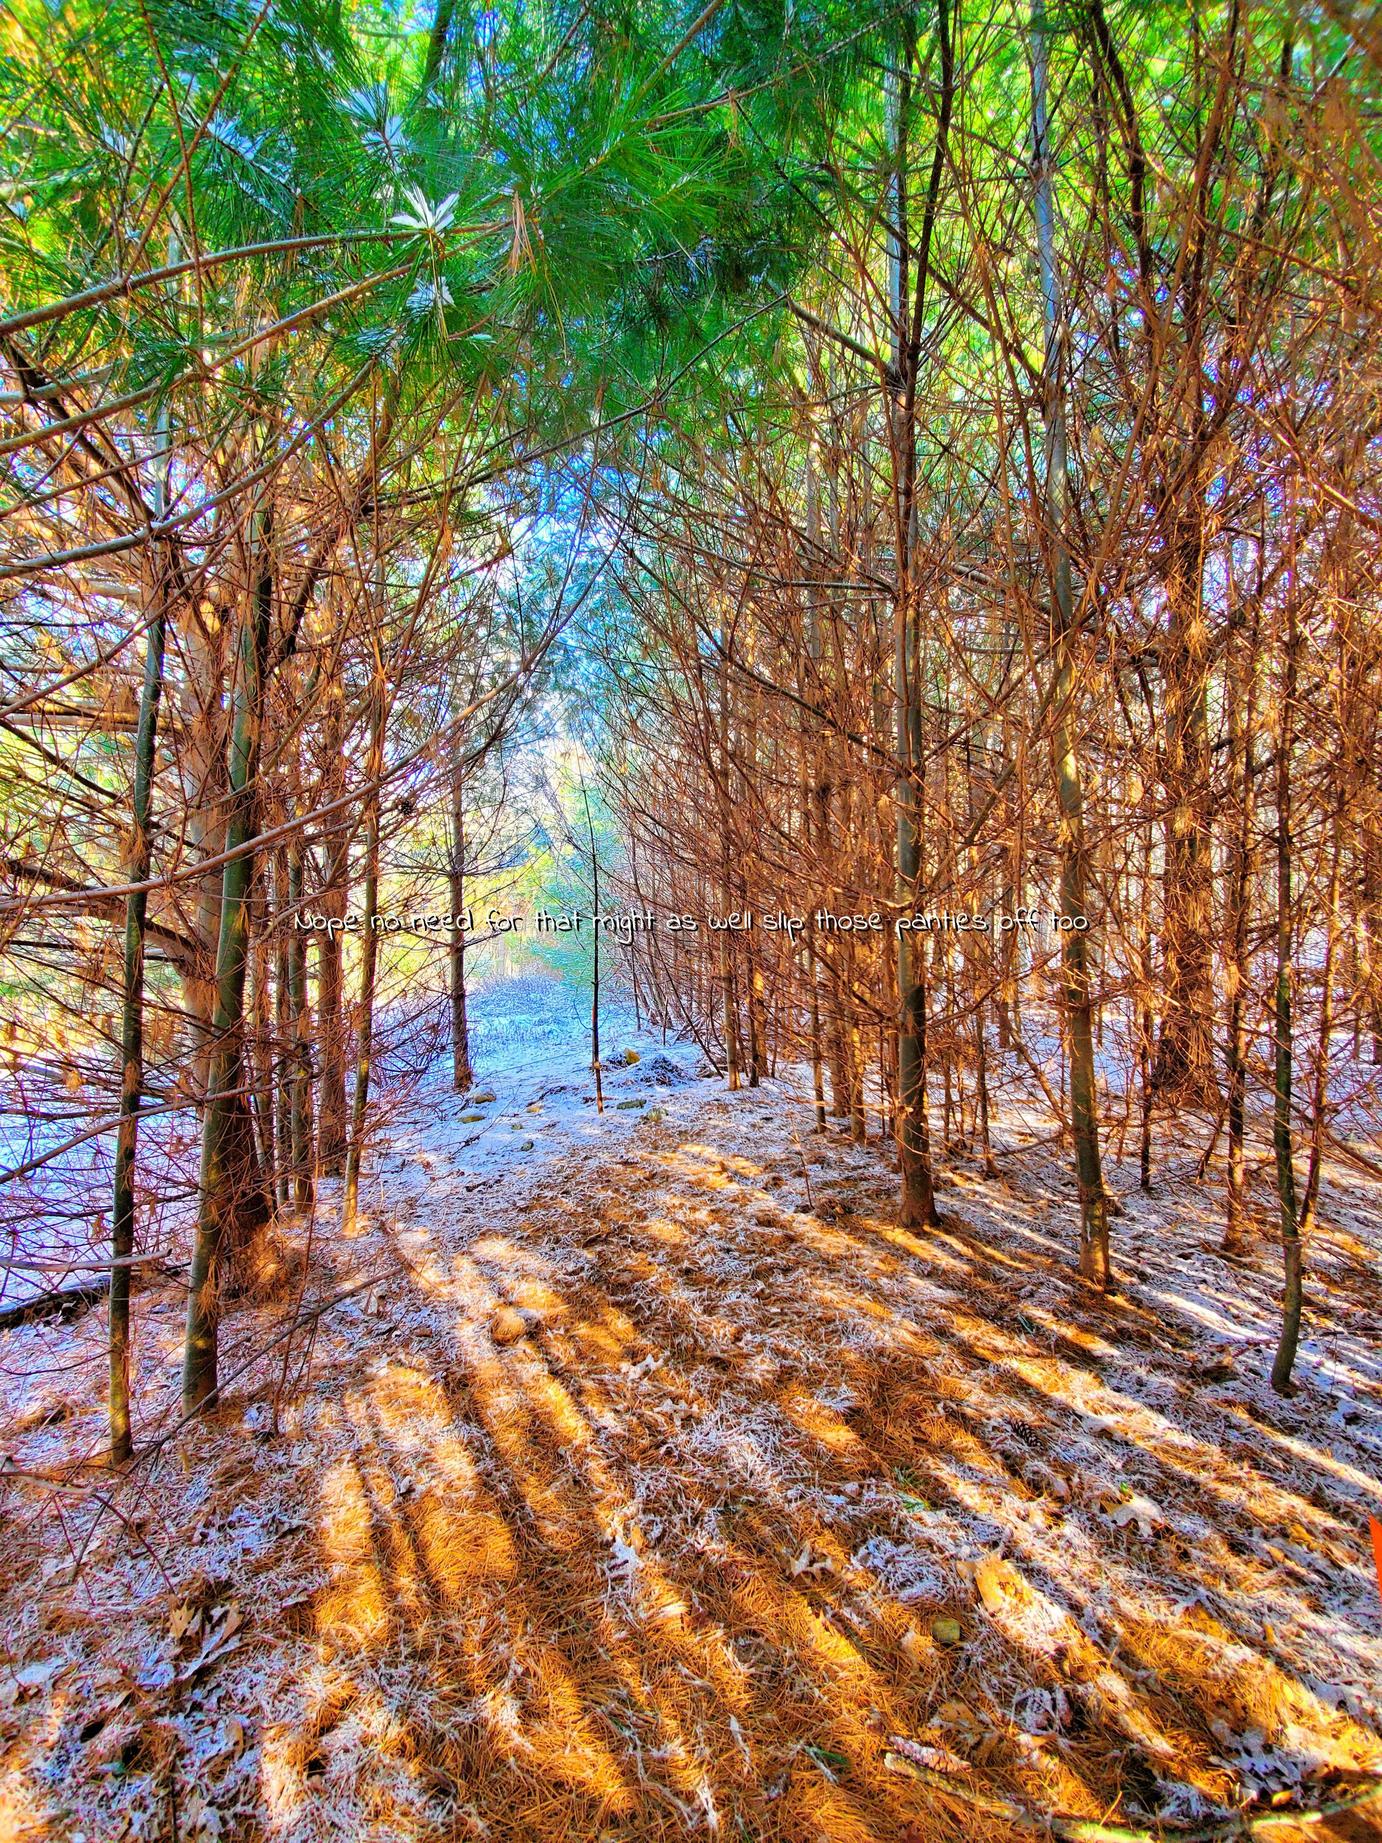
(331, 1112)
(858, 1120)
(595, 964)
(1184, 1054)
(1292, 1301)
(300, 1080)
(731, 1009)
(757, 1011)
(1143, 1018)
(907, 303)
(813, 800)
(462, 1074)
(817, 1064)
(1094, 1245)
(369, 951)
(1370, 909)
(754, 994)
(839, 1075)
(132, 1011)
(269, 1149)
(1239, 874)
(227, 1210)
(285, 1034)
(1319, 1099)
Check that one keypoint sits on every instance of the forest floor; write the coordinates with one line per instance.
(646, 1480)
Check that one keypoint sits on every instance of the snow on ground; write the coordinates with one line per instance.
(646, 1480)
(55, 1218)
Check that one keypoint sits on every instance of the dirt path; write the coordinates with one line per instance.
(772, 1521)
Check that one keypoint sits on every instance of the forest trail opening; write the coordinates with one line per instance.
(649, 1480)
(849, 530)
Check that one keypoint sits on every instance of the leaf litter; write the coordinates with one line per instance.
(770, 1520)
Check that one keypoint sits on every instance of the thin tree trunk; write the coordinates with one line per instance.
(331, 1110)
(1145, 1022)
(858, 1117)
(261, 1074)
(1319, 1099)
(1371, 917)
(756, 1019)
(817, 1063)
(1292, 1301)
(285, 1034)
(300, 1108)
(132, 1018)
(1094, 1244)
(1184, 1054)
(462, 1074)
(813, 802)
(918, 1206)
(731, 1017)
(981, 1078)
(369, 954)
(1240, 735)
(595, 967)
